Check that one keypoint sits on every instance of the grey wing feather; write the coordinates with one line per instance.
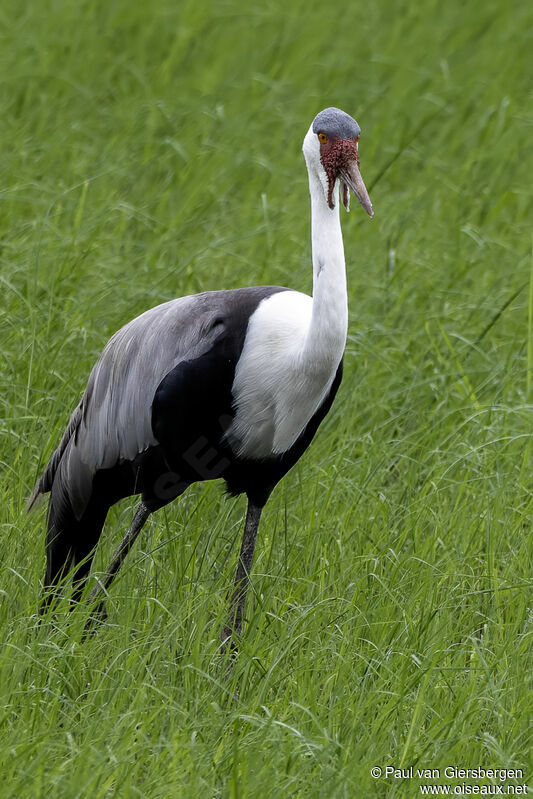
(113, 420)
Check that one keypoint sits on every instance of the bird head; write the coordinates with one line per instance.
(331, 152)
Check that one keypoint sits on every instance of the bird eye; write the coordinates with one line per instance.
(322, 138)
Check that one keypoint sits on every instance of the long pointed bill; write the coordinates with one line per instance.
(351, 177)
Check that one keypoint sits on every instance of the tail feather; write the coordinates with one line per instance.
(70, 538)
(36, 494)
(60, 536)
(46, 480)
(70, 542)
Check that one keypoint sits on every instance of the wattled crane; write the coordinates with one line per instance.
(224, 384)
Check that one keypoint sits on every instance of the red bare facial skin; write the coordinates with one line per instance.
(334, 154)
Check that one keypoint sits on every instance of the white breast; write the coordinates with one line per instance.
(281, 378)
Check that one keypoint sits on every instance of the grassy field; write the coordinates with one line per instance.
(153, 150)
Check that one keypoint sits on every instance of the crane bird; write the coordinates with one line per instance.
(223, 384)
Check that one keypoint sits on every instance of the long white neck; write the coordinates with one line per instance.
(329, 321)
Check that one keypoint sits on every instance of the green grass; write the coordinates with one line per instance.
(150, 150)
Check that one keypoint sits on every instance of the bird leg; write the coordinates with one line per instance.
(238, 596)
(126, 544)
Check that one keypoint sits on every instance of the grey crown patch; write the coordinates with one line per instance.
(336, 123)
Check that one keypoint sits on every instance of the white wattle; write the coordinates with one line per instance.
(294, 343)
